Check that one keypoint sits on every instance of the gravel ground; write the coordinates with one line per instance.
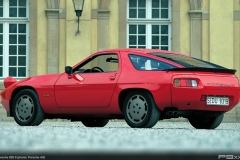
(118, 137)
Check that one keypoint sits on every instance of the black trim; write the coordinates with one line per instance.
(216, 70)
(119, 155)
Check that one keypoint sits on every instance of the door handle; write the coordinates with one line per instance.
(112, 77)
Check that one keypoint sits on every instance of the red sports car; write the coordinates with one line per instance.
(141, 86)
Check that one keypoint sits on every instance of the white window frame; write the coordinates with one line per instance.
(6, 21)
(149, 21)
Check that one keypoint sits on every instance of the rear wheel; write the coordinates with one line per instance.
(95, 122)
(140, 110)
(26, 108)
(206, 123)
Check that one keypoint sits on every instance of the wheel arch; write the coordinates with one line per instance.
(14, 93)
(124, 93)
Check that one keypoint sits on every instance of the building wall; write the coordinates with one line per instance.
(217, 32)
(184, 27)
(201, 28)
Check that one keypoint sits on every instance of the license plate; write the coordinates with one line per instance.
(221, 101)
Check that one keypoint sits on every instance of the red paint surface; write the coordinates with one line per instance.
(98, 93)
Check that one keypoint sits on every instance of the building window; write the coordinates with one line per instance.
(14, 43)
(149, 24)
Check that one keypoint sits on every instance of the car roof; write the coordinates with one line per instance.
(142, 50)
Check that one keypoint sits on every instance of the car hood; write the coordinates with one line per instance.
(36, 81)
(49, 79)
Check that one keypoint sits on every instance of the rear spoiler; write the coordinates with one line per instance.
(216, 70)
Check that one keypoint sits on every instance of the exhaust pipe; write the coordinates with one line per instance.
(171, 113)
(177, 113)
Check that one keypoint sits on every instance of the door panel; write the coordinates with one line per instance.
(91, 85)
(95, 90)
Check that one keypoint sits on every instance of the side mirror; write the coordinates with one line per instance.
(68, 70)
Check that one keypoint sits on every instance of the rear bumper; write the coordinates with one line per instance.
(208, 84)
(190, 99)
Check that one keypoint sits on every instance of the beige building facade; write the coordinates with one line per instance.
(206, 29)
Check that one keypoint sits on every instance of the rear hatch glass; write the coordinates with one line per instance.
(186, 61)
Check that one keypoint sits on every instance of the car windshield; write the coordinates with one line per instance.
(188, 62)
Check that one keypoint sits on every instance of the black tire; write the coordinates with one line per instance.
(26, 108)
(95, 122)
(206, 123)
(140, 110)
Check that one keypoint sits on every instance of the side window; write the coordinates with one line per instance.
(100, 63)
(145, 63)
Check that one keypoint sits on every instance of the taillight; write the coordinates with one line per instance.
(185, 83)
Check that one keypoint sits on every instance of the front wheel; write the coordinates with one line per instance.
(26, 108)
(95, 122)
(206, 123)
(140, 110)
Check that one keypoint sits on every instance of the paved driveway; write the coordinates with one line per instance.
(178, 137)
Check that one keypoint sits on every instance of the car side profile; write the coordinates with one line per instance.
(141, 86)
